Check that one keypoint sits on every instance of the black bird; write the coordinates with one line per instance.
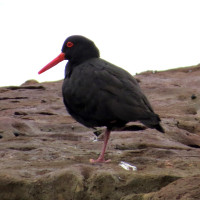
(97, 93)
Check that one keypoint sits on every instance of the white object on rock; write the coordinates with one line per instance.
(127, 166)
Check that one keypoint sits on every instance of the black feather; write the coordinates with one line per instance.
(97, 93)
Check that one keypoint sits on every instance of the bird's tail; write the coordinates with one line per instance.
(159, 128)
(156, 126)
(154, 122)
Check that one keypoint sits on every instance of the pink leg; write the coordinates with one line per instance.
(101, 159)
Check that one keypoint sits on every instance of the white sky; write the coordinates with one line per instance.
(137, 35)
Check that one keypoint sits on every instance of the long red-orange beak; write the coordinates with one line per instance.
(54, 62)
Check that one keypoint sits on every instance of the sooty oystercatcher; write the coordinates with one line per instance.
(97, 93)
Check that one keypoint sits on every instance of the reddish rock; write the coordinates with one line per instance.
(45, 153)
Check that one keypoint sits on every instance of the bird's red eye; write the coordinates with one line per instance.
(70, 44)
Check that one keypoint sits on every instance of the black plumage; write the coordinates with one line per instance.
(98, 93)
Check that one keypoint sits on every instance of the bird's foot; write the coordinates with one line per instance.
(99, 160)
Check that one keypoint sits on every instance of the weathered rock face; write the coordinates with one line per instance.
(45, 153)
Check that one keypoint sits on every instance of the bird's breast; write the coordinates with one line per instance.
(78, 94)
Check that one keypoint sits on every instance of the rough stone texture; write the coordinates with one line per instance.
(45, 153)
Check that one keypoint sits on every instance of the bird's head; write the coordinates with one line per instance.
(76, 49)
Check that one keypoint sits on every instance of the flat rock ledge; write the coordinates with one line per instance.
(45, 153)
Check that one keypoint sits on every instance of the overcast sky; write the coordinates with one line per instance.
(137, 35)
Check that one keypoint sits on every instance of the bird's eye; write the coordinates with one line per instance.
(70, 44)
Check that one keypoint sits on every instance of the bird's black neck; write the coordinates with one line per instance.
(86, 54)
(71, 65)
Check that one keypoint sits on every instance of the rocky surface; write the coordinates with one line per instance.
(45, 153)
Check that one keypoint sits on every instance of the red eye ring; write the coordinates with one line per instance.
(70, 44)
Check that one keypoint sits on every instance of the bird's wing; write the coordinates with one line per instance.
(118, 94)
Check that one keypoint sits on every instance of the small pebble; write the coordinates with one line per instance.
(193, 96)
(16, 134)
